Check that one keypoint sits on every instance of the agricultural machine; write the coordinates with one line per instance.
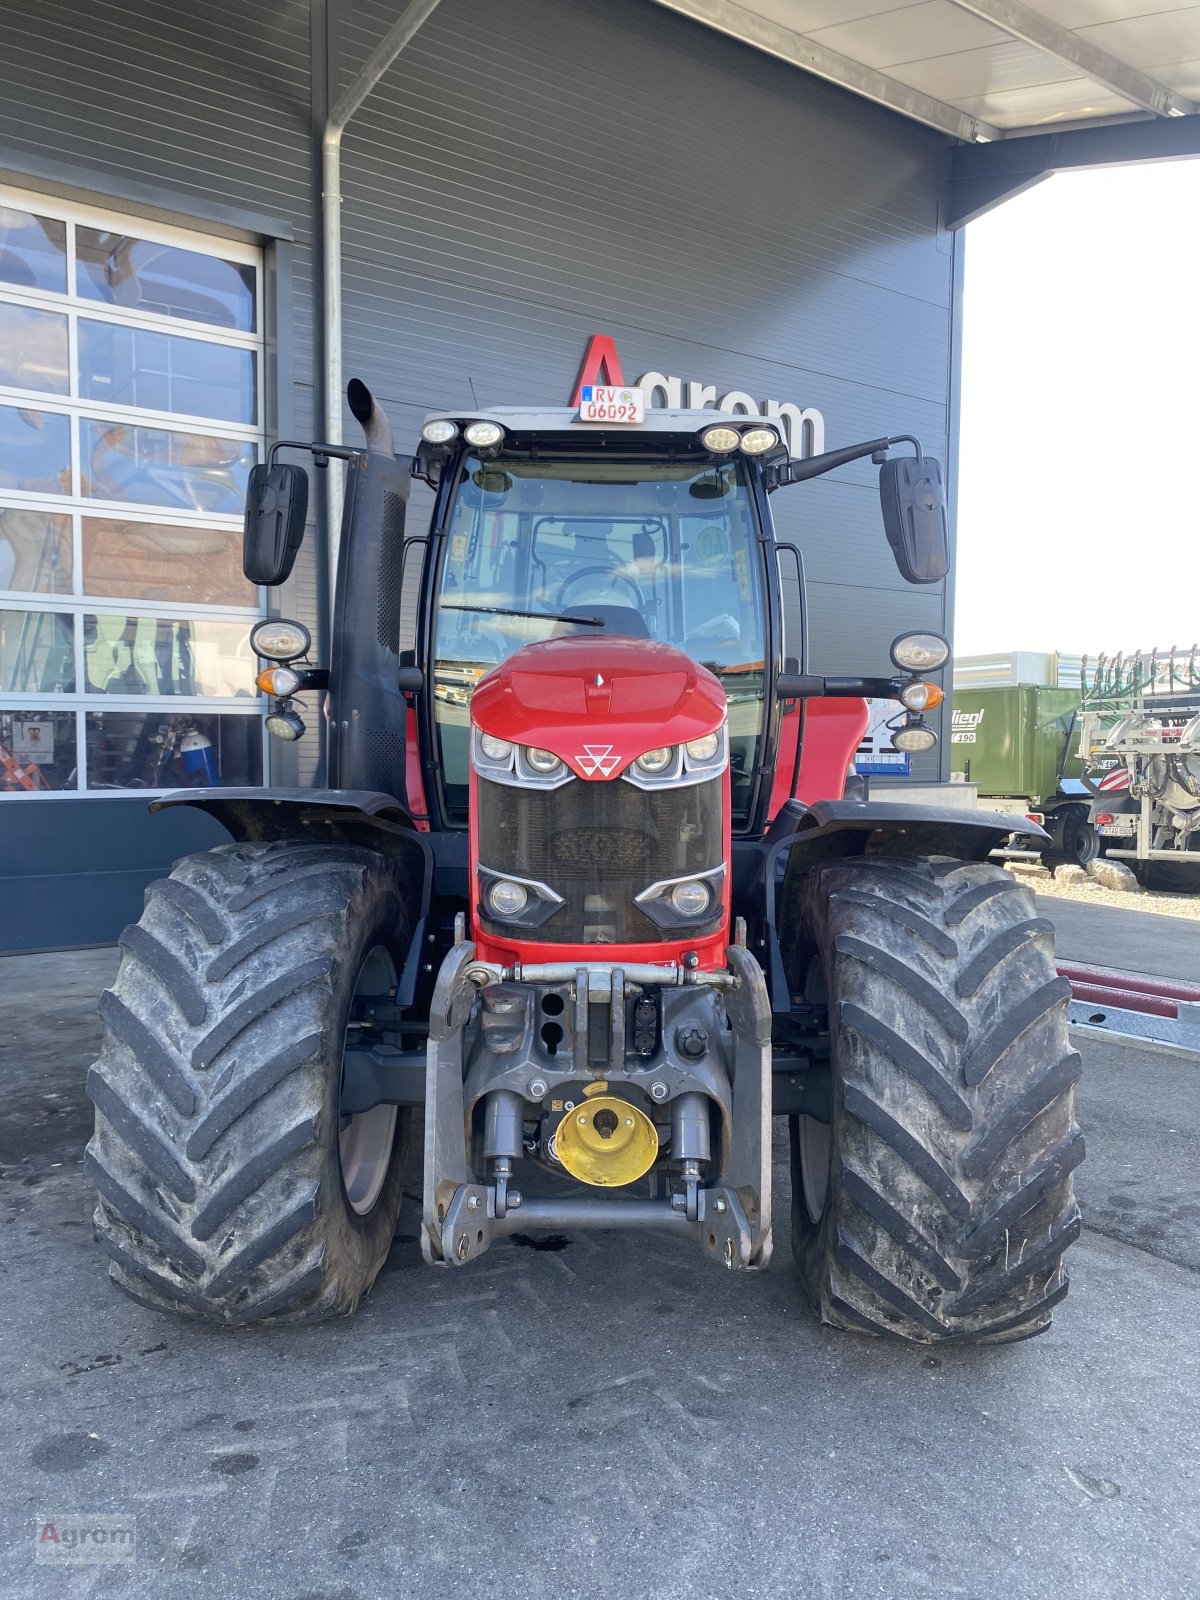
(1018, 744)
(1139, 733)
(583, 888)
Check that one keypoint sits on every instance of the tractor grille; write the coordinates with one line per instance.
(598, 845)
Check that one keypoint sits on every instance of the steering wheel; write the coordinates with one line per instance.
(610, 574)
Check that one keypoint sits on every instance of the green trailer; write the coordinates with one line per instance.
(1019, 745)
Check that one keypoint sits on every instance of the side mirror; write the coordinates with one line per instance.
(276, 506)
(913, 499)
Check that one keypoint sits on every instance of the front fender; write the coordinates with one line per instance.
(360, 817)
(877, 827)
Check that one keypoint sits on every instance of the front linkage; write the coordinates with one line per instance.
(640, 1059)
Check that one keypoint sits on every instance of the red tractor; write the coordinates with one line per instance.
(588, 885)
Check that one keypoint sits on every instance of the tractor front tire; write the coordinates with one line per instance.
(938, 1203)
(230, 1186)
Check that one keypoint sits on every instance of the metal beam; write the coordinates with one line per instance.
(981, 176)
(787, 45)
(1086, 58)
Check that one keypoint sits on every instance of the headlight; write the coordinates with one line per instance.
(656, 760)
(280, 640)
(440, 431)
(286, 725)
(914, 739)
(921, 696)
(691, 899)
(704, 749)
(720, 440)
(544, 761)
(507, 899)
(495, 749)
(920, 652)
(483, 435)
(757, 441)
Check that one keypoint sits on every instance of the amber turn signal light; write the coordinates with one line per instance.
(281, 681)
(921, 696)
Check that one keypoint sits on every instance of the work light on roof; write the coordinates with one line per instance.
(483, 435)
(757, 441)
(440, 431)
(722, 441)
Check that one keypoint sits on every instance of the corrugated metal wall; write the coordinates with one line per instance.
(529, 172)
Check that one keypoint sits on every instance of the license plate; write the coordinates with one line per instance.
(1119, 830)
(603, 402)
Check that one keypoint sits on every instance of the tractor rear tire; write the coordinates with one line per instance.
(938, 1204)
(230, 1187)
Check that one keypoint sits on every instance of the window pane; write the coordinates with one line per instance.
(33, 250)
(163, 655)
(154, 467)
(35, 550)
(162, 372)
(142, 276)
(36, 655)
(33, 349)
(129, 750)
(37, 751)
(152, 561)
(35, 450)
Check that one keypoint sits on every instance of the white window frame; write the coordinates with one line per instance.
(78, 603)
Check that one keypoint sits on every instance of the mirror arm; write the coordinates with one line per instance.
(814, 686)
(320, 452)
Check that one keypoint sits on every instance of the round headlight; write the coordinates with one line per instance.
(691, 899)
(720, 440)
(508, 899)
(483, 435)
(921, 696)
(756, 441)
(656, 760)
(285, 725)
(440, 431)
(544, 761)
(914, 740)
(494, 749)
(704, 749)
(280, 640)
(920, 652)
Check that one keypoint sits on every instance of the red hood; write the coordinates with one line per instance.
(598, 703)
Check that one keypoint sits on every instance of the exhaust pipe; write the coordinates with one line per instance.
(369, 415)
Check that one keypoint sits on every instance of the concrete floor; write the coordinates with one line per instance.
(593, 1417)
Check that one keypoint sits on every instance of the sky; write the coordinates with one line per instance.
(1079, 496)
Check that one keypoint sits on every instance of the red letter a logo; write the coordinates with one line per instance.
(599, 357)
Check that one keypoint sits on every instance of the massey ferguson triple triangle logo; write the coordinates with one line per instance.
(598, 758)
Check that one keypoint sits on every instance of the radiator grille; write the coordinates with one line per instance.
(598, 845)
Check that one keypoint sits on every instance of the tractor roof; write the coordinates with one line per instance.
(563, 421)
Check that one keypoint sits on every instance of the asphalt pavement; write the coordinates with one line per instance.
(594, 1416)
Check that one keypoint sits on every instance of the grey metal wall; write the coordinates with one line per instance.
(529, 172)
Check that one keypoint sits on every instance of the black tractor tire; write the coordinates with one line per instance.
(218, 1150)
(943, 1202)
(1170, 877)
(1076, 842)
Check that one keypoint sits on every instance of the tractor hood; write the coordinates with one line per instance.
(598, 703)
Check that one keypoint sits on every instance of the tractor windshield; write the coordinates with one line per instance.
(540, 547)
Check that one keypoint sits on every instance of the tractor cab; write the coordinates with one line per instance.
(568, 530)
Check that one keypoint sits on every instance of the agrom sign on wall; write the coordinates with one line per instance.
(803, 426)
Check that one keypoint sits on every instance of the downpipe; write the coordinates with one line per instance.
(348, 103)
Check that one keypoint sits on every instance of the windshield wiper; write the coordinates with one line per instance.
(548, 616)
